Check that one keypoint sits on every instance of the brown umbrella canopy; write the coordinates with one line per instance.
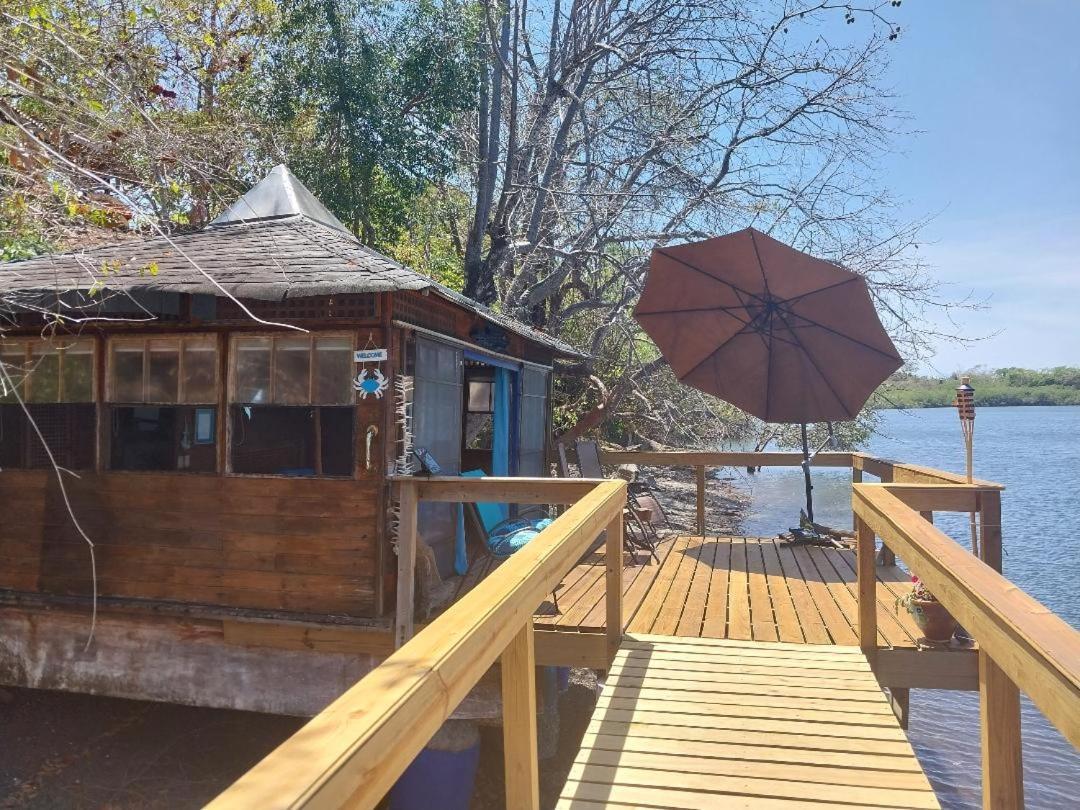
(783, 335)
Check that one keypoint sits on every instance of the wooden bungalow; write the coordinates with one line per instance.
(230, 404)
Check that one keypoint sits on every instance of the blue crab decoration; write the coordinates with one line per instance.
(375, 384)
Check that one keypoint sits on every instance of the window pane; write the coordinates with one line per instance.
(79, 372)
(273, 440)
(200, 371)
(127, 372)
(252, 383)
(163, 377)
(292, 370)
(334, 371)
(13, 359)
(480, 396)
(337, 440)
(45, 374)
(158, 438)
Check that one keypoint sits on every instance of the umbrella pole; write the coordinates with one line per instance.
(806, 475)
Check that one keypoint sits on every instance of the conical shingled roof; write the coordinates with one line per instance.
(277, 195)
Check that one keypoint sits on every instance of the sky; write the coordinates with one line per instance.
(993, 88)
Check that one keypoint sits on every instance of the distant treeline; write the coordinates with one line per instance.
(1003, 386)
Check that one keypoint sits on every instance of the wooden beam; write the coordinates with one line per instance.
(1002, 758)
(937, 497)
(559, 648)
(452, 489)
(1036, 649)
(406, 564)
(700, 472)
(990, 529)
(694, 458)
(613, 587)
(519, 721)
(353, 751)
(866, 576)
(910, 668)
(900, 701)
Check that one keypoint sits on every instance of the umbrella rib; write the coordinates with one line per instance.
(710, 355)
(811, 322)
(818, 368)
(761, 266)
(729, 310)
(804, 295)
(663, 252)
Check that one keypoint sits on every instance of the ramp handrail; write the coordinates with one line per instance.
(1022, 644)
(353, 751)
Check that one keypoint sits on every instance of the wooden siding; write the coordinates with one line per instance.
(284, 544)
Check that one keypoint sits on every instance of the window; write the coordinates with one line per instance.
(55, 380)
(163, 394)
(291, 405)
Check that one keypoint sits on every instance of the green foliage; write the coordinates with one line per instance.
(364, 97)
(429, 240)
(1004, 386)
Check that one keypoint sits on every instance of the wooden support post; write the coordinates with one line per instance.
(406, 563)
(886, 556)
(856, 478)
(900, 700)
(1002, 759)
(990, 528)
(519, 721)
(867, 585)
(614, 560)
(927, 516)
(700, 470)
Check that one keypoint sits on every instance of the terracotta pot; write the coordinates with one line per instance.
(936, 623)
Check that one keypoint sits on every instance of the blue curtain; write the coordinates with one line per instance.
(500, 464)
(500, 442)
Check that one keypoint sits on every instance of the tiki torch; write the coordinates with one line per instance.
(965, 407)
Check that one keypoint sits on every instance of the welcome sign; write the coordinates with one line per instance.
(369, 355)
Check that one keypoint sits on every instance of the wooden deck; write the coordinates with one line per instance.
(689, 723)
(739, 588)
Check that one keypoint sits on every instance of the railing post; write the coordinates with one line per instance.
(614, 560)
(519, 721)
(887, 557)
(700, 470)
(406, 562)
(856, 478)
(1002, 759)
(867, 584)
(990, 528)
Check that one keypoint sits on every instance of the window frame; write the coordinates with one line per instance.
(312, 336)
(112, 342)
(28, 345)
(229, 401)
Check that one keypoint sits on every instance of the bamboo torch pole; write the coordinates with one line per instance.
(965, 407)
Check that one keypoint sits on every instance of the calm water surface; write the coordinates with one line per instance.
(1035, 452)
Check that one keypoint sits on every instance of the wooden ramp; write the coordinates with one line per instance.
(693, 723)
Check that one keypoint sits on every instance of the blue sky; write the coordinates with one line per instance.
(993, 86)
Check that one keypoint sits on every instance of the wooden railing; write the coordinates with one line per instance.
(353, 751)
(1022, 645)
(939, 491)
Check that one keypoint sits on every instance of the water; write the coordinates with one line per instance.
(1035, 452)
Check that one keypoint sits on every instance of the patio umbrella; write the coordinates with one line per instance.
(783, 335)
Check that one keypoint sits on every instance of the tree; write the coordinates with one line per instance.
(365, 98)
(113, 117)
(605, 129)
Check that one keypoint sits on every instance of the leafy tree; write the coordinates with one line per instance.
(366, 97)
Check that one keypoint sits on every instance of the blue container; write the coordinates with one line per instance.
(564, 678)
(437, 779)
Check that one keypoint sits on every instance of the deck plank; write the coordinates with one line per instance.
(679, 725)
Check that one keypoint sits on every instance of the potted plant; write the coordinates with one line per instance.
(936, 623)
